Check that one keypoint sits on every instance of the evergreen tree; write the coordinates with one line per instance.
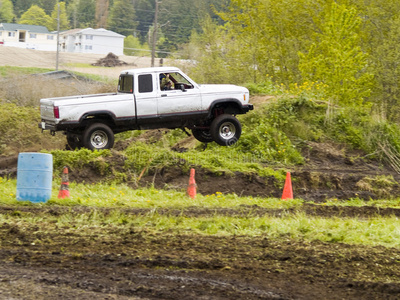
(6, 11)
(87, 13)
(82, 13)
(35, 16)
(121, 18)
(21, 6)
(144, 15)
(47, 5)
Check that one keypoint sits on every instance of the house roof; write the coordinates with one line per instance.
(91, 31)
(101, 31)
(30, 28)
(71, 31)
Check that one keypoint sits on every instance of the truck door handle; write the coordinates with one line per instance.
(164, 95)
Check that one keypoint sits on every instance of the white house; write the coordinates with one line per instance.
(27, 36)
(99, 41)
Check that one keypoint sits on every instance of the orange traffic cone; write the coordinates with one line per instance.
(64, 189)
(191, 190)
(287, 189)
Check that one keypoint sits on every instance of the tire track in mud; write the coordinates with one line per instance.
(145, 265)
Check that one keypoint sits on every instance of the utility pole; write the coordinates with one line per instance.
(58, 36)
(153, 48)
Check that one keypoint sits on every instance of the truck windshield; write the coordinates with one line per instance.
(125, 84)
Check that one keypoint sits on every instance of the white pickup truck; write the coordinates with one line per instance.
(148, 98)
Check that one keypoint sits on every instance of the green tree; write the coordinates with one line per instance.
(387, 68)
(380, 35)
(6, 11)
(132, 46)
(35, 16)
(212, 63)
(64, 22)
(121, 18)
(336, 59)
(266, 36)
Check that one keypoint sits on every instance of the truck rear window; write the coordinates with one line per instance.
(125, 84)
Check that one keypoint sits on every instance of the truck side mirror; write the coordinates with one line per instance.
(183, 88)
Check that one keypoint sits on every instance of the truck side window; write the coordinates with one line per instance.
(125, 84)
(145, 83)
(181, 81)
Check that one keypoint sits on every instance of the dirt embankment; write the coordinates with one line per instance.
(331, 172)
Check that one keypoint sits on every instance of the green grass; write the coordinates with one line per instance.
(120, 195)
(298, 226)
(6, 71)
(79, 65)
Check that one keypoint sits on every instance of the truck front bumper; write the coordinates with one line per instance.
(246, 108)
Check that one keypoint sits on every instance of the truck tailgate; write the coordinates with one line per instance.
(47, 109)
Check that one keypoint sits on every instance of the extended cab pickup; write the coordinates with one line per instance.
(148, 98)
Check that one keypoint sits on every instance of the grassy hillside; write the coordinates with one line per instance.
(275, 138)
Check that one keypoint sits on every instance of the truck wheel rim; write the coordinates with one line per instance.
(99, 139)
(227, 130)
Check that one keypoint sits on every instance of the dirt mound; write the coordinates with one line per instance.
(111, 60)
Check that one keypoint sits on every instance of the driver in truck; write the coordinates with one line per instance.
(166, 82)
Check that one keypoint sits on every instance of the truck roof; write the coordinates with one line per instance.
(151, 70)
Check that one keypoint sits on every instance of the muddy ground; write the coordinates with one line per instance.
(55, 262)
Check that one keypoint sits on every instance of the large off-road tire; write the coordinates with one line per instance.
(202, 135)
(98, 136)
(74, 141)
(225, 130)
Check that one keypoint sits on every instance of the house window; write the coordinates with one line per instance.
(88, 47)
(11, 34)
(89, 37)
(32, 35)
(1, 33)
(50, 37)
(145, 83)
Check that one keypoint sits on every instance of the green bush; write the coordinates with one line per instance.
(79, 158)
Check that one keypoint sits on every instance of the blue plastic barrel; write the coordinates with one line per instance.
(34, 176)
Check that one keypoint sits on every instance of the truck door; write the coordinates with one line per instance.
(146, 100)
(179, 101)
